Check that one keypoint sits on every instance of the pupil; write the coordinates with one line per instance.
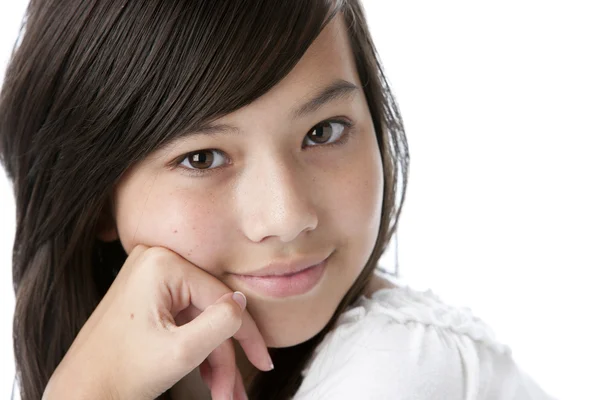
(321, 134)
(202, 160)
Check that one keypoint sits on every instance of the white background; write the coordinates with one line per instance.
(501, 106)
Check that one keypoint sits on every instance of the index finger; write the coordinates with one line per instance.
(253, 343)
(204, 290)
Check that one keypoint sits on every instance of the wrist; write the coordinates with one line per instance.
(82, 386)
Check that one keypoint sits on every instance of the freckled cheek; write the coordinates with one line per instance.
(184, 222)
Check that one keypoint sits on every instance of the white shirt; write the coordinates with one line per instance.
(402, 344)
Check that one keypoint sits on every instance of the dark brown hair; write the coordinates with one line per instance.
(94, 86)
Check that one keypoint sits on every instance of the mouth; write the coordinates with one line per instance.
(286, 284)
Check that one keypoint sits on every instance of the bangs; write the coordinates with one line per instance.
(171, 66)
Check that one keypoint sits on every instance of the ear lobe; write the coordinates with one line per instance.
(106, 229)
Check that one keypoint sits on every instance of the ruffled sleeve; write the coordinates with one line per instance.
(404, 344)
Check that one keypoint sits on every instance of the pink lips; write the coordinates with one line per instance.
(285, 285)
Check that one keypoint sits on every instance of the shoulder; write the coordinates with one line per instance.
(393, 314)
(402, 343)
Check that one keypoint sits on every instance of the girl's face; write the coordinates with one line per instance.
(286, 181)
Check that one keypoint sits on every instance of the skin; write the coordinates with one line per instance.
(275, 198)
(132, 348)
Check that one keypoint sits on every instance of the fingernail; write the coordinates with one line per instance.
(240, 299)
(271, 367)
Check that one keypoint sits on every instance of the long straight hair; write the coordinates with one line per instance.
(94, 86)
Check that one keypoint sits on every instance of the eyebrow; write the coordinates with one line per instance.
(338, 90)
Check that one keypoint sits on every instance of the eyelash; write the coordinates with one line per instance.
(347, 132)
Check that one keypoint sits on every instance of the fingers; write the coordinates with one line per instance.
(253, 344)
(239, 392)
(223, 367)
(189, 285)
(206, 373)
(195, 340)
(248, 335)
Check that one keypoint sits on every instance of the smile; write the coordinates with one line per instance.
(280, 286)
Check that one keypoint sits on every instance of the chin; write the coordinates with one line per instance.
(299, 330)
(289, 322)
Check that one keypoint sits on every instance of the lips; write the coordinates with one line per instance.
(287, 267)
(277, 281)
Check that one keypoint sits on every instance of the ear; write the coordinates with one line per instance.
(106, 229)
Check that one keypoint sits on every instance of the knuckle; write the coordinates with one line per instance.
(157, 254)
(157, 260)
(181, 352)
(231, 313)
(139, 248)
(228, 311)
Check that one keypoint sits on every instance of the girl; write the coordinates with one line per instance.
(204, 190)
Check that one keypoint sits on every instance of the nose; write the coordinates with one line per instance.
(275, 200)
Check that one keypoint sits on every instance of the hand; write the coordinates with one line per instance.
(161, 318)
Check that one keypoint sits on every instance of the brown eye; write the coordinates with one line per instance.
(320, 134)
(203, 160)
(325, 131)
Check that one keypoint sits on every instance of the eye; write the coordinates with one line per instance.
(203, 160)
(327, 133)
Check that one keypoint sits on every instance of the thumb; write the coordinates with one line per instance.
(217, 323)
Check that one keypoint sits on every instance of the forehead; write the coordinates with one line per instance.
(327, 60)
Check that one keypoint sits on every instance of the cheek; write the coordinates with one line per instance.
(185, 221)
(360, 190)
